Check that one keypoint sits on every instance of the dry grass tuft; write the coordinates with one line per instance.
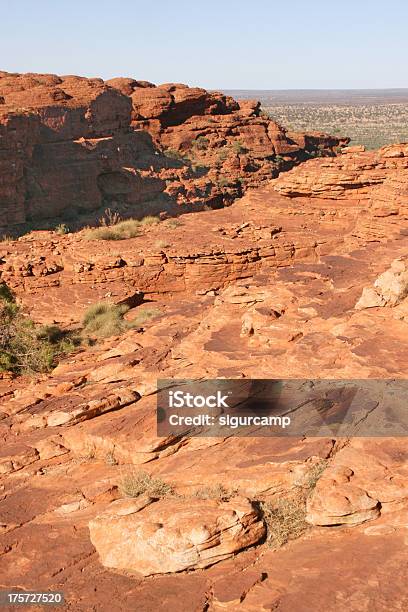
(136, 483)
(104, 320)
(285, 519)
(217, 491)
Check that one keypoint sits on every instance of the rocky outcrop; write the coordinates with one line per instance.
(378, 179)
(171, 536)
(71, 145)
(389, 289)
(335, 501)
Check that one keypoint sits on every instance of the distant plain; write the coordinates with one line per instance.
(372, 117)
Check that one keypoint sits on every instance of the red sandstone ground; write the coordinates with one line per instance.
(280, 284)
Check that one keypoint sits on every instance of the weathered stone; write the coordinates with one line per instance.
(170, 536)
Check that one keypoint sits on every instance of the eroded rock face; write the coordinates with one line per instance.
(336, 501)
(374, 178)
(172, 536)
(71, 145)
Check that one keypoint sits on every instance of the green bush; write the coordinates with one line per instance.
(26, 347)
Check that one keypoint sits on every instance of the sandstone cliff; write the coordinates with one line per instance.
(70, 145)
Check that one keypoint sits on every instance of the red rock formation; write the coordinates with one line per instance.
(375, 178)
(71, 145)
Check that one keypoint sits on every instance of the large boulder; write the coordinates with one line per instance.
(172, 535)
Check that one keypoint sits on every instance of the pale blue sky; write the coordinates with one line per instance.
(264, 44)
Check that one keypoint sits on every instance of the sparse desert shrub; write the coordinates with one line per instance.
(110, 458)
(6, 238)
(110, 217)
(279, 158)
(161, 244)
(217, 491)
(285, 519)
(314, 474)
(123, 230)
(61, 229)
(149, 220)
(137, 483)
(26, 347)
(103, 319)
(223, 182)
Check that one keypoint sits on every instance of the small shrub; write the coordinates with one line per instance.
(103, 319)
(110, 217)
(223, 182)
(26, 347)
(110, 458)
(149, 220)
(314, 475)
(285, 519)
(121, 231)
(61, 229)
(135, 483)
(218, 492)
(6, 238)
(161, 244)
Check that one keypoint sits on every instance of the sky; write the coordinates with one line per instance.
(217, 44)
